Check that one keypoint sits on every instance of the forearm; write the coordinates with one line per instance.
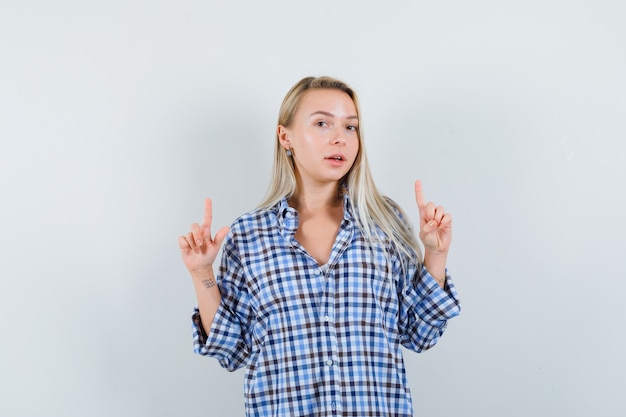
(208, 296)
(435, 263)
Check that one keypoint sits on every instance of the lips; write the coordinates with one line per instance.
(336, 157)
(336, 160)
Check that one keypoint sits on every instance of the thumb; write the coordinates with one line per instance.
(220, 235)
(429, 227)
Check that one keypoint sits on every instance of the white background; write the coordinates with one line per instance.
(117, 118)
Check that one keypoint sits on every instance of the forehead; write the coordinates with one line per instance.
(327, 99)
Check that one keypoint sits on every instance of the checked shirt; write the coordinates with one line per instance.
(320, 340)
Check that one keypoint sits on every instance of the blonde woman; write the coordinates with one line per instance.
(321, 285)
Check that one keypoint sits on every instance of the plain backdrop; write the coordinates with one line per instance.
(118, 117)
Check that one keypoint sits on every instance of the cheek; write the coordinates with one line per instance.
(356, 147)
(354, 152)
(307, 140)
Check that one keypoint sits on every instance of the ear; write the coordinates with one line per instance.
(283, 136)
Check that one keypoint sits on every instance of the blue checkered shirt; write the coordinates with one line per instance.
(320, 340)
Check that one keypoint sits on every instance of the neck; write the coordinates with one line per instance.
(312, 198)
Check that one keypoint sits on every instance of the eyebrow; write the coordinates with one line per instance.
(325, 113)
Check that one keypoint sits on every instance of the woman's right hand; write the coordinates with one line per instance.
(197, 247)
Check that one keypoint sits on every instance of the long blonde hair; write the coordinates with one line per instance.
(371, 209)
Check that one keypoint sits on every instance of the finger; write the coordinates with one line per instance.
(190, 241)
(419, 195)
(429, 212)
(446, 221)
(197, 235)
(439, 213)
(183, 244)
(208, 214)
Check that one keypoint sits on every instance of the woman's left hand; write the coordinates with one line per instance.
(435, 224)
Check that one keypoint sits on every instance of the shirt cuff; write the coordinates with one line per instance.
(436, 304)
(223, 340)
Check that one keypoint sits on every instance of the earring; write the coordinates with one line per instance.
(289, 153)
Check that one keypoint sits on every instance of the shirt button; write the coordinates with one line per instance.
(326, 318)
(329, 362)
(317, 272)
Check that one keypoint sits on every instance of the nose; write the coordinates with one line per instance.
(339, 136)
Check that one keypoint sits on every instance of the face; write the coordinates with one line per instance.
(323, 136)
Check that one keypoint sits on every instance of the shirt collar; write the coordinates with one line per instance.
(287, 216)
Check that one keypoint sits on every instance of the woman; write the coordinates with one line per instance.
(322, 284)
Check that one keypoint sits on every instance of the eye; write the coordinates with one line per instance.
(321, 123)
(353, 128)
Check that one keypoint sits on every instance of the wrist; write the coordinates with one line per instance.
(200, 274)
(204, 280)
(436, 256)
(435, 264)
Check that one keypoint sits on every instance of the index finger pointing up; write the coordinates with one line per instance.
(208, 213)
(419, 195)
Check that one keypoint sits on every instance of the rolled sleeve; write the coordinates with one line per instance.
(228, 339)
(224, 341)
(426, 309)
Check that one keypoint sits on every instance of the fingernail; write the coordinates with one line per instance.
(199, 242)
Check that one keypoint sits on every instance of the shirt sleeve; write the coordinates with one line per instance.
(228, 338)
(425, 309)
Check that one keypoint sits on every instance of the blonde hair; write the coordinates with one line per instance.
(371, 209)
